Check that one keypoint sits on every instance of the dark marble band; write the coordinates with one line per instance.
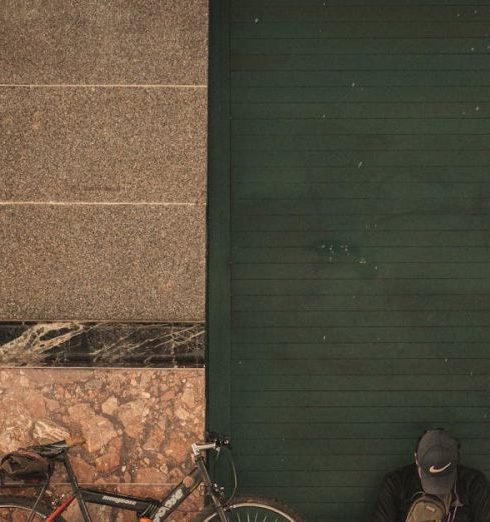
(102, 344)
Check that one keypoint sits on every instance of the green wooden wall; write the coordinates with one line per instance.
(349, 241)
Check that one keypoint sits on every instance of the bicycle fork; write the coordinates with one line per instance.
(211, 488)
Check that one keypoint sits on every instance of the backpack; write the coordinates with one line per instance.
(427, 508)
(24, 463)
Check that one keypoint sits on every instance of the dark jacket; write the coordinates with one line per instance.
(400, 486)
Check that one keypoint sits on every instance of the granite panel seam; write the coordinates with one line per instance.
(105, 368)
(109, 85)
(102, 321)
(106, 203)
(195, 321)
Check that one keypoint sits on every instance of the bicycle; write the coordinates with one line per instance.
(219, 509)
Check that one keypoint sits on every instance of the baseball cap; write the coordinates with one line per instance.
(437, 457)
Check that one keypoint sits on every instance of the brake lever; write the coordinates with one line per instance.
(219, 439)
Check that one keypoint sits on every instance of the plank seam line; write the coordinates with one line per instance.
(355, 343)
(304, 37)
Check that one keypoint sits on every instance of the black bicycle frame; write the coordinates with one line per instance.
(155, 510)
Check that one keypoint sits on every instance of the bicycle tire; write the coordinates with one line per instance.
(18, 509)
(255, 508)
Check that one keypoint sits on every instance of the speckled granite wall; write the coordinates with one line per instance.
(103, 114)
(103, 144)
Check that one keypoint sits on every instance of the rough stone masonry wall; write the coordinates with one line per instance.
(103, 131)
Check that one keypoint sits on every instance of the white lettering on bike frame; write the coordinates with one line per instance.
(169, 504)
(119, 500)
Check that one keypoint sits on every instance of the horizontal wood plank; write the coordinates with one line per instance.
(366, 142)
(375, 210)
(358, 46)
(364, 367)
(355, 93)
(418, 264)
(356, 287)
(326, 445)
(364, 318)
(359, 29)
(369, 430)
(355, 63)
(358, 222)
(363, 399)
(343, 109)
(369, 334)
(341, 126)
(344, 260)
(403, 303)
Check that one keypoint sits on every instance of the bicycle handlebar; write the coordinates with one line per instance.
(218, 439)
(216, 442)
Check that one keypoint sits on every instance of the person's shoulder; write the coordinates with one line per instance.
(470, 473)
(471, 477)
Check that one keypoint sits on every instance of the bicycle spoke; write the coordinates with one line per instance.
(17, 515)
(253, 514)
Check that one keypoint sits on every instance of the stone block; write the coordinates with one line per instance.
(104, 42)
(103, 262)
(108, 344)
(105, 144)
(117, 456)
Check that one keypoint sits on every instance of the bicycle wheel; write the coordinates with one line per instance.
(254, 509)
(18, 509)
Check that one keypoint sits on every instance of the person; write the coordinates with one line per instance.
(465, 492)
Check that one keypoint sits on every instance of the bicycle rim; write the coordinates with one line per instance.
(19, 509)
(254, 511)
